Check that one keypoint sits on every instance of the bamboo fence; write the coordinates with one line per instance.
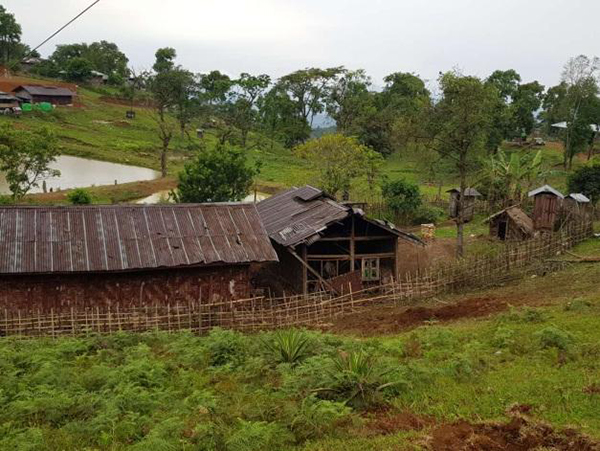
(263, 313)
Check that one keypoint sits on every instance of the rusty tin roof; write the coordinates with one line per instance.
(299, 215)
(130, 237)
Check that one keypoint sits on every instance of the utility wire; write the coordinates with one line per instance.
(64, 26)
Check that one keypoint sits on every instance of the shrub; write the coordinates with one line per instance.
(553, 337)
(225, 347)
(256, 435)
(426, 214)
(358, 380)
(289, 346)
(401, 197)
(79, 196)
(586, 180)
(317, 417)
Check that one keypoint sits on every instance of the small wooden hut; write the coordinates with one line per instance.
(546, 205)
(578, 205)
(511, 224)
(470, 196)
(325, 245)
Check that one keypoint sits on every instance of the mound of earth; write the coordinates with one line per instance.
(390, 320)
(519, 434)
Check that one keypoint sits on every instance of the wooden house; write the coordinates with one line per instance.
(470, 196)
(83, 257)
(326, 245)
(546, 205)
(55, 95)
(511, 224)
(578, 206)
(8, 101)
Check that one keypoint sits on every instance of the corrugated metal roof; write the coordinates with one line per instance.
(54, 91)
(468, 192)
(129, 237)
(545, 189)
(578, 197)
(299, 214)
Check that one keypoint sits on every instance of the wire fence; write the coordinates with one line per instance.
(262, 313)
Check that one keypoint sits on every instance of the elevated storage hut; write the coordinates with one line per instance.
(323, 244)
(83, 257)
(511, 224)
(546, 205)
(470, 196)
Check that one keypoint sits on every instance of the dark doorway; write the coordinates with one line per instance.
(502, 227)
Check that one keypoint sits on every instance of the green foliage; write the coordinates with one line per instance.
(255, 435)
(25, 158)
(586, 180)
(289, 346)
(79, 196)
(317, 417)
(553, 337)
(340, 160)
(426, 214)
(10, 36)
(401, 197)
(225, 347)
(78, 69)
(358, 380)
(217, 175)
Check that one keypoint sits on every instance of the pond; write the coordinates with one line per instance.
(78, 172)
(163, 196)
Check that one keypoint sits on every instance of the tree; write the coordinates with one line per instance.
(586, 180)
(217, 175)
(527, 100)
(515, 173)
(215, 87)
(78, 69)
(506, 82)
(458, 129)
(165, 86)
(339, 159)
(278, 118)
(349, 99)
(250, 88)
(25, 158)
(102, 56)
(10, 36)
(79, 196)
(580, 76)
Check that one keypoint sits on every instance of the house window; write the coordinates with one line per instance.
(370, 269)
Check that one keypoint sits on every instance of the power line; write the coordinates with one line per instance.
(65, 26)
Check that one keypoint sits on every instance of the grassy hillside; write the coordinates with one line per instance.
(483, 375)
(97, 128)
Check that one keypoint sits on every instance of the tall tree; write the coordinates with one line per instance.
(458, 129)
(349, 100)
(580, 75)
(165, 86)
(339, 160)
(102, 56)
(248, 90)
(527, 100)
(10, 36)
(278, 118)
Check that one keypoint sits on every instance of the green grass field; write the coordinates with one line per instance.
(228, 391)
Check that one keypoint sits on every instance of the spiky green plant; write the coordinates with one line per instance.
(358, 380)
(289, 346)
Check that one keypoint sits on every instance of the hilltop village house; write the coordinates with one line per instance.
(59, 258)
(325, 245)
(511, 224)
(546, 204)
(50, 94)
(470, 196)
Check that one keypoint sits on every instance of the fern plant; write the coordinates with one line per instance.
(289, 346)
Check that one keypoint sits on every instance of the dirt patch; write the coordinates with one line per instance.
(390, 320)
(386, 423)
(518, 434)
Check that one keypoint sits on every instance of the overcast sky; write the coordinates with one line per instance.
(535, 37)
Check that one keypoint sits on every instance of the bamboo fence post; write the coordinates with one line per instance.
(72, 322)
(109, 319)
(52, 321)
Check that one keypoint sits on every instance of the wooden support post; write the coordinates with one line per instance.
(352, 245)
(304, 271)
(315, 273)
